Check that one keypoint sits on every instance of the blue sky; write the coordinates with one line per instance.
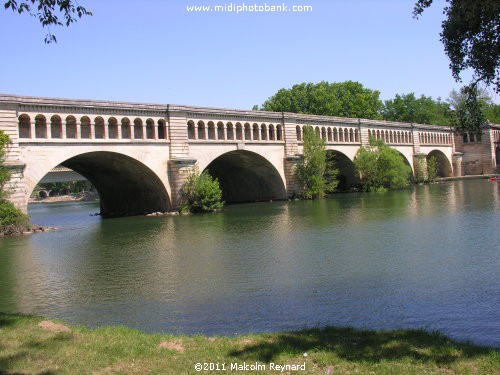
(157, 52)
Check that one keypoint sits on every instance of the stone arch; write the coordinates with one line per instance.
(24, 126)
(126, 134)
(347, 175)
(191, 129)
(138, 130)
(298, 130)
(248, 132)
(220, 131)
(497, 156)
(263, 132)
(211, 130)
(55, 127)
(230, 131)
(329, 134)
(246, 176)
(323, 133)
(272, 134)
(279, 132)
(162, 129)
(201, 130)
(112, 128)
(99, 130)
(444, 165)
(85, 128)
(71, 131)
(150, 129)
(40, 126)
(255, 132)
(239, 132)
(126, 186)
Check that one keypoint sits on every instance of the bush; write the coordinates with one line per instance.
(12, 220)
(432, 169)
(202, 193)
(317, 174)
(425, 173)
(381, 168)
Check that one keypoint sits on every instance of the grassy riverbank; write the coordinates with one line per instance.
(32, 345)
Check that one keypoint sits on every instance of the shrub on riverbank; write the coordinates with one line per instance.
(12, 220)
(202, 193)
(315, 171)
(381, 167)
(31, 345)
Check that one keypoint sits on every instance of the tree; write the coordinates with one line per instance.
(312, 170)
(202, 193)
(432, 169)
(469, 109)
(424, 110)
(4, 171)
(471, 36)
(492, 113)
(50, 12)
(345, 99)
(381, 167)
(11, 219)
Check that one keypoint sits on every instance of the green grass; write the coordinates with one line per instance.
(25, 348)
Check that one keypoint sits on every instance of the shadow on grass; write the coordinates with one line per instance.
(7, 319)
(25, 349)
(362, 346)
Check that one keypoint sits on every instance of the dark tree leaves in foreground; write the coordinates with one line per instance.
(50, 12)
(471, 38)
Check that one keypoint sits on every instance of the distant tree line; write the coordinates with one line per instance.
(351, 99)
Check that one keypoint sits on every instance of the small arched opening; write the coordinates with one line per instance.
(99, 130)
(24, 126)
(112, 128)
(40, 126)
(55, 127)
(71, 131)
(444, 168)
(150, 129)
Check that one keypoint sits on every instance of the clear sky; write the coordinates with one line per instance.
(155, 51)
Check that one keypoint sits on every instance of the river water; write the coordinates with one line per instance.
(427, 257)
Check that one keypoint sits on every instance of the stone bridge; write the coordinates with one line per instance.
(139, 155)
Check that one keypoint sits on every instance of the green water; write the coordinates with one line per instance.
(425, 257)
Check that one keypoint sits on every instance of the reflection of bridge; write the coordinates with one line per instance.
(138, 155)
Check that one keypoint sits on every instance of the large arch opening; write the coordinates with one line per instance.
(126, 187)
(497, 157)
(245, 176)
(347, 175)
(411, 176)
(444, 167)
